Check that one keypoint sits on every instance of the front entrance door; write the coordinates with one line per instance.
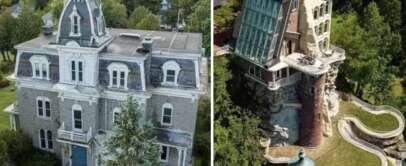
(78, 156)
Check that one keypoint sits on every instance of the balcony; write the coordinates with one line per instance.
(74, 136)
(289, 80)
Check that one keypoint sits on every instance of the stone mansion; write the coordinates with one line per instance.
(71, 84)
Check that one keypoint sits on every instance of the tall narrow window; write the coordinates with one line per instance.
(47, 109)
(322, 10)
(115, 78)
(40, 108)
(42, 139)
(77, 117)
(80, 73)
(37, 70)
(326, 7)
(164, 153)
(73, 70)
(122, 79)
(49, 140)
(315, 13)
(75, 24)
(116, 115)
(326, 29)
(167, 111)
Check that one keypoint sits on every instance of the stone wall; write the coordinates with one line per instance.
(311, 92)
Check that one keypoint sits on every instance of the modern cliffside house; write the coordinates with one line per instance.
(284, 45)
(71, 84)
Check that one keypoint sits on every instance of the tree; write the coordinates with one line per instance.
(151, 5)
(199, 21)
(201, 145)
(56, 7)
(115, 14)
(137, 16)
(150, 22)
(181, 8)
(236, 136)
(7, 30)
(134, 141)
(3, 153)
(28, 25)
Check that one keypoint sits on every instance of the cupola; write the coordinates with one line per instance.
(82, 21)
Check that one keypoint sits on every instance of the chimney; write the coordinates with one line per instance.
(48, 26)
(147, 44)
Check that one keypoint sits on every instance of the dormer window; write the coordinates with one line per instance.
(171, 71)
(75, 23)
(118, 75)
(40, 67)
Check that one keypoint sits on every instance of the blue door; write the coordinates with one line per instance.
(78, 156)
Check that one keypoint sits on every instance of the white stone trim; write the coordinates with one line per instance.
(41, 61)
(165, 106)
(164, 54)
(77, 107)
(119, 68)
(72, 22)
(143, 82)
(197, 73)
(170, 66)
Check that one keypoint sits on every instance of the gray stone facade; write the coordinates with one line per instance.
(93, 94)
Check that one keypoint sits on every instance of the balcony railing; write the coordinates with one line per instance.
(285, 81)
(74, 136)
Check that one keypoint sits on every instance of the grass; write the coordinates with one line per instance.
(7, 96)
(383, 122)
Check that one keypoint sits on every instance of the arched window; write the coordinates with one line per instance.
(316, 13)
(40, 67)
(316, 29)
(43, 107)
(116, 115)
(171, 71)
(322, 10)
(164, 150)
(75, 22)
(77, 117)
(326, 25)
(167, 113)
(118, 75)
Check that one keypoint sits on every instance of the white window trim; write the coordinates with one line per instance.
(72, 15)
(40, 60)
(77, 107)
(167, 153)
(43, 100)
(170, 65)
(116, 110)
(100, 24)
(76, 71)
(170, 106)
(46, 148)
(119, 67)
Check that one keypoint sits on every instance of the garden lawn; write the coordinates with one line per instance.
(7, 96)
(383, 122)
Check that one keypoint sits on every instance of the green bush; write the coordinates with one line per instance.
(16, 148)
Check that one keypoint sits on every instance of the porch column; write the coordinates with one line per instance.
(179, 155)
(11, 121)
(184, 156)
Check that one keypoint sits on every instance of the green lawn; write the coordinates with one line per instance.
(7, 96)
(343, 153)
(383, 122)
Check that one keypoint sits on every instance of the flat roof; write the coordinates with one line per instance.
(177, 42)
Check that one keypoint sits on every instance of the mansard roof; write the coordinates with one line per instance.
(123, 44)
(91, 15)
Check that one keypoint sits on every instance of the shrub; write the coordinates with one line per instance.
(39, 158)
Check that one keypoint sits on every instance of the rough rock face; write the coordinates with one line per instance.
(284, 126)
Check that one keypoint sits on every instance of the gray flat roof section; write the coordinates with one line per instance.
(176, 42)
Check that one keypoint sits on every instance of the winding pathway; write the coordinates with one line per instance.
(344, 127)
